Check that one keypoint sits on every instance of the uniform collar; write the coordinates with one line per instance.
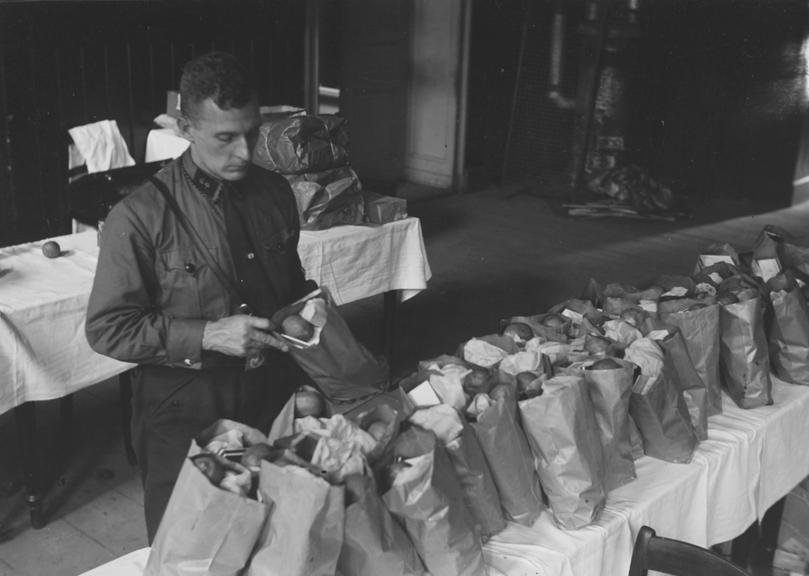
(211, 188)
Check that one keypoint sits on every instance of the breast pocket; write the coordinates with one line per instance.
(179, 277)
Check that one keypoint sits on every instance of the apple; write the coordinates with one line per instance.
(309, 402)
(295, 326)
(51, 249)
(518, 330)
(477, 381)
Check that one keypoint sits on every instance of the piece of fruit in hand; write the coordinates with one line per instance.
(296, 327)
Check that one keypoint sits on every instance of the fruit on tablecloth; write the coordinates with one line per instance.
(51, 249)
(295, 326)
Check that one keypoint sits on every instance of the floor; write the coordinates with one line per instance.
(493, 253)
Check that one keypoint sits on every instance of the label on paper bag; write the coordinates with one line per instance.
(711, 259)
(768, 268)
(423, 395)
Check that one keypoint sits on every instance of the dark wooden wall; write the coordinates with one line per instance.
(63, 64)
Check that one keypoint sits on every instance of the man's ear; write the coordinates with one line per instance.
(185, 125)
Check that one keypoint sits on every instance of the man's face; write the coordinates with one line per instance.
(222, 140)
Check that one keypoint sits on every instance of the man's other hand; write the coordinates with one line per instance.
(239, 335)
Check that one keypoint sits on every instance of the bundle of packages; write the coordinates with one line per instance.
(311, 151)
(657, 406)
(563, 435)
(322, 344)
(328, 198)
(421, 490)
(744, 353)
(789, 331)
(214, 517)
(302, 143)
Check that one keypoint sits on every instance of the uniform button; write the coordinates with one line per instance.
(250, 255)
(280, 247)
(190, 268)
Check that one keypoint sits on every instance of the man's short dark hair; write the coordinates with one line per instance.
(218, 76)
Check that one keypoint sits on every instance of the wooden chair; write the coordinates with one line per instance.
(677, 558)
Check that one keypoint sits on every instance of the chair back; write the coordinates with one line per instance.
(677, 558)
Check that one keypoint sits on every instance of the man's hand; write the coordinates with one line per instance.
(239, 335)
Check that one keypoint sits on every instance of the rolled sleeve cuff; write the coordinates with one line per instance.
(184, 342)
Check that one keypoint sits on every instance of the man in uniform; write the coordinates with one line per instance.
(189, 302)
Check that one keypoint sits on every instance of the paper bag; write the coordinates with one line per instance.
(688, 380)
(563, 435)
(205, 529)
(303, 535)
(744, 355)
(657, 406)
(701, 331)
(610, 390)
(339, 365)
(425, 497)
(374, 543)
(509, 457)
(789, 332)
(477, 485)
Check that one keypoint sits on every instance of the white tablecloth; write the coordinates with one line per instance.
(164, 144)
(43, 350)
(751, 459)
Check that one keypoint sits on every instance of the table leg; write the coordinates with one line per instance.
(25, 417)
(125, 389)
(390, 306)
(66, 431)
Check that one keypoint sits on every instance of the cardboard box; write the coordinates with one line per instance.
(173, 104)
(381, 209)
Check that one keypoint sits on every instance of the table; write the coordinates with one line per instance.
(751, 459)
(44, 354)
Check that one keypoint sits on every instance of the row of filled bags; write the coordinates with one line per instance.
(550, 412)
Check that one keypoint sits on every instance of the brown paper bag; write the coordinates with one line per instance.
(425, 497)
(658, 407)
(509, 457)
(610, 390)
(744, 355)
(205, 529)
(688, 380)
(477, 485)
(374, 543)
(339, 365)
(303, 535)
(789, 331)
(563, 435)
(701, 331)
